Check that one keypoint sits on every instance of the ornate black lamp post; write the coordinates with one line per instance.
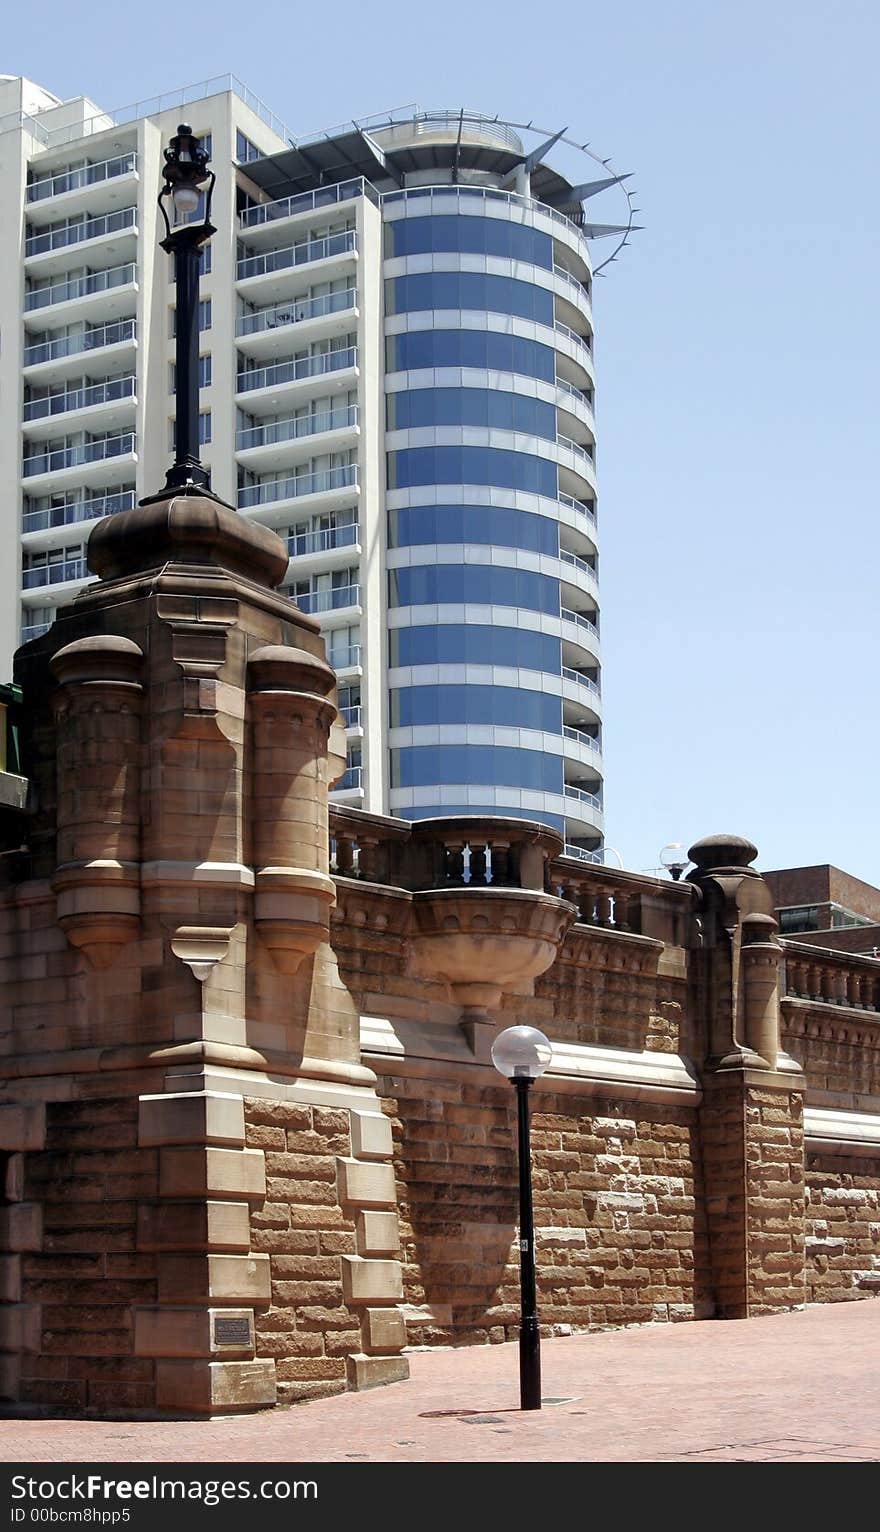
(522, 1054)
(185, 177)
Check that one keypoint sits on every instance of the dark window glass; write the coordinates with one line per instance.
(454, 644)
(472, 236)
(468, 290)
(427, 584)
(423, 766)
(500, 408)
(470, 348)
(471, 465)
(555, 821)
(415, 705)
(499, 525)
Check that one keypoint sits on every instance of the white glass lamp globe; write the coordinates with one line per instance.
(521, 1053)
(185, 199)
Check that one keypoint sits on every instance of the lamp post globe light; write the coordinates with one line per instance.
(674, 858)
(185, 177)
(522, 1054)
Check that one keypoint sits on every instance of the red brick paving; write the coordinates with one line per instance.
(801, 1387)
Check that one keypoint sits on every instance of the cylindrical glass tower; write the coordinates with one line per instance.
(493, 613)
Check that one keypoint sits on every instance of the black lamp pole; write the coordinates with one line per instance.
(185, 175)
(529, 1335)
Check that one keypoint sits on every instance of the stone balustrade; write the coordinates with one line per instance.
(831, 978)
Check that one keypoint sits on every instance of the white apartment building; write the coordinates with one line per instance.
(396, 375)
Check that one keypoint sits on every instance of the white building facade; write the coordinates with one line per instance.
(396, 374)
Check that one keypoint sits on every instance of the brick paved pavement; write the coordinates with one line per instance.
(801, 1387)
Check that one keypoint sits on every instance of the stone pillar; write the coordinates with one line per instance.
(752, 1110)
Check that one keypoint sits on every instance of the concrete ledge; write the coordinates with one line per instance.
(214, 1387)
(833, 1132)
(374, 1282)
(372, 1371)
(383, 1330)
(229, 1278)
(369, 1185)
(191, 1332)
(198, 1117)
(377, 1233)
(22, 1128)
(371, 1136)
(204, 1172)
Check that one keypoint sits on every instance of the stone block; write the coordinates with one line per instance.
(372, 1371)
(10, 1278)
(371, 1135)
(227, 1278)
(367, 1281)
(377, 1233)
(20, 1327)
(194, 1226)
(193, 1332)
(208, 1388)
(21, 1226)
(384, 1330)
(369, 1185)
(22, 1127)
(10, 1378)
(197, 1172)
(198, 1117)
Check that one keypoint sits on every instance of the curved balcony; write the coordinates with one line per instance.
(97, 294)
(585, 579)
(322, 316)
(576, 406)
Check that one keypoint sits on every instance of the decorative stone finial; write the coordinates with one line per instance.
(715, 851)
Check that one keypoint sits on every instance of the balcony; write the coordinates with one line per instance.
(33, 630)
(351, 780)
(75, 511)
(327, 539)
(300, 370)
(44, 353)
(110, 458)
(268, 214)
(579, 347)
(581, 289)
(96, 285)
(578, 679)
(587, 633)
(351, 716)
(86, 230)
(325, 315)
(340, 597)
(347, 657)
(303, 254)
(580, 737)
(580, 564)
(581, 854)
(322, 482)
(110, 391)
(54, 574)
(267, 446)
(60, 183)
(579, 507)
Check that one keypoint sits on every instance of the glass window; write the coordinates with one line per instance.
(555, 821)
(204, 428)
(472, 465)
(502, 409)
(245, 151)
(430, 584)
(474, 644)
(473, 236)
(423, 766)
(487, 349)
(204, 372)
(498, 525)
(468, 290)
(412, 706)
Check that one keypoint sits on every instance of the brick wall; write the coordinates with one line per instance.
(842, 1228)
(619, 1235)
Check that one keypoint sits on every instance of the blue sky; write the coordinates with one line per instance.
(736, 352)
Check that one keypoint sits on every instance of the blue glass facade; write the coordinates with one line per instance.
(456, 481)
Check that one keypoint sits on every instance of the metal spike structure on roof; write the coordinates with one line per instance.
(530, 161)
(592, 188)
(601, 230)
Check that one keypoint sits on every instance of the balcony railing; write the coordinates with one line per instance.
(80, 398)
(75, 233)
(54, 574)
(304, 202)
(84, 452)
(585, 452)
(580, 679)
(77, 510)
(301, 254)
(582, 738)
(572, 335)
(73, 345)
(327, 600)
(485, 193)
(83, 175)
(283, 314)
(80, 287)
(296, 427)
(581, 854)
(581, 564)
(583, 622)
(351, 777)
(33, 630)
(319, 542)
(581, 288)
(582, 796)
(578, 506)
(268, 491)
(294, 370)
(351, 716)
(577, 393)
(344, 658)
